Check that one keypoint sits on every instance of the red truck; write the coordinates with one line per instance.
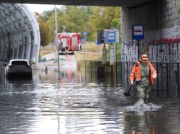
(71, 42)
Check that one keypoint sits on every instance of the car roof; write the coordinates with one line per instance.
(19, 60)
(14, 60)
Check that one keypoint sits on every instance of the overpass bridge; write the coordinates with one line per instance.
(124, 3)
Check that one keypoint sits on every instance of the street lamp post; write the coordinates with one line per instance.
(57, 47)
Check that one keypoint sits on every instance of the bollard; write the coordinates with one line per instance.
(46, 69)
(100, 73)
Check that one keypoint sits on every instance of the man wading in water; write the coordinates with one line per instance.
(144, 74)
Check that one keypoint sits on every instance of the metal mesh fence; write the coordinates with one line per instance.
(167, 83)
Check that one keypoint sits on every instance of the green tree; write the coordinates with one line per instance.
(74, 20)
(44, 30)
(82, 18)
(49, 18)
(104, 18)
(47, 14)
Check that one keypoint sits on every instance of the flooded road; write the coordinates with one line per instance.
(47, 105)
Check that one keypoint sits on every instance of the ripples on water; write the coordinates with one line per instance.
(42, 106)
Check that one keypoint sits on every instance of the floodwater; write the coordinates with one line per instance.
(47, 105)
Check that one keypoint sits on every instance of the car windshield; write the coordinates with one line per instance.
(19, 63)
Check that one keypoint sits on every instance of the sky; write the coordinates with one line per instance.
(41, 7)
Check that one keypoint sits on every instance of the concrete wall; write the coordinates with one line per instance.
(161, 20)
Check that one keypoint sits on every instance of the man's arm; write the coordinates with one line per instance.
(154, 74)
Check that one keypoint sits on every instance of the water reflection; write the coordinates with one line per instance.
(47, 105)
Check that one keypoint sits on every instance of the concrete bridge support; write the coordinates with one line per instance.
(161, 20)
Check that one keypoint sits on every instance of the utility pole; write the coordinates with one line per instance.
(57, 47)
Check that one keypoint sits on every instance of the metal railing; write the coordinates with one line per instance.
(167, 83)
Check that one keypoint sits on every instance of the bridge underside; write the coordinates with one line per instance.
(19, 33)
(125, 3)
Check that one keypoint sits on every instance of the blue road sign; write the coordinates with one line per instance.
(137, 32)
(111, 37)
(98, 42)
(83, 40)
(85, 33)
(100, 36)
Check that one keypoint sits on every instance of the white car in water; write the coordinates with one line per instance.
(18, 68)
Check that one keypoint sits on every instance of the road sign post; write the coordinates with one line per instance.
(138, 34)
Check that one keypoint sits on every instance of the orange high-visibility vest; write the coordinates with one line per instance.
(136, 72)
(153, 130)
